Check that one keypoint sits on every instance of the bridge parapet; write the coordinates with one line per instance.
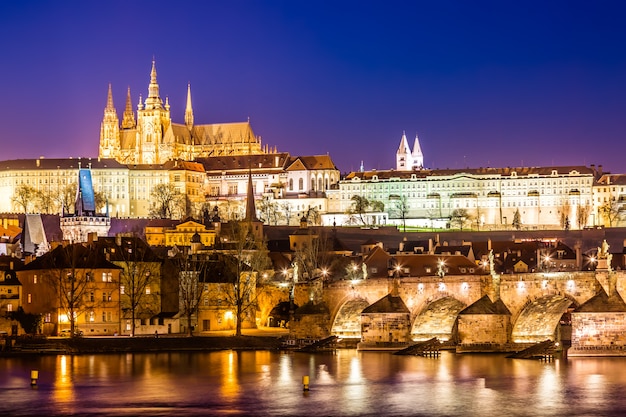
(517, 290)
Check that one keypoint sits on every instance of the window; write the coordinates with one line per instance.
(300, 184)
(9, 307)
(107, 277)
(290, 184)
(121, 289)
(147, 290)
(30, 298)
(35, 279)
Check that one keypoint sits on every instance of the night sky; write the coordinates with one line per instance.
(483, 83)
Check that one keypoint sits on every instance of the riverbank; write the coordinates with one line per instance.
(120, 344)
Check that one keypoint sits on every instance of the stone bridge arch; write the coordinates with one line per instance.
(437, 319)
(539, 318)
(347, 321)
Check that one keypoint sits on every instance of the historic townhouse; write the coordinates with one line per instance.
(73, 280)
(609, 200)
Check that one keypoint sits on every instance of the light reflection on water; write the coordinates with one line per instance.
(346, 383)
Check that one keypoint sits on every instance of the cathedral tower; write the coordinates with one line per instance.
(153, 119)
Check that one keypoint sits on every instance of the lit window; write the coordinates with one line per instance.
(147, 290)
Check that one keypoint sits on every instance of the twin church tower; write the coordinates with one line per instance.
(407, 160)
(152, 137)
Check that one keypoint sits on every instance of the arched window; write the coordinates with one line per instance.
(320, 186)
(312, 184)
(301, 184)
(290, 184)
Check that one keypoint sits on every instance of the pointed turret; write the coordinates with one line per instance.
(188, 109)
(128, 119)
(404, 160)
(250, 206)
(254, 225)
(418, 157)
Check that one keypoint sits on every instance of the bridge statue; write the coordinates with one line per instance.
(364, 268)
(603, 251)
(604, 256)
(295, 271)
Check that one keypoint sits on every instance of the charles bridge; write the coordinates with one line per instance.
(538, 304)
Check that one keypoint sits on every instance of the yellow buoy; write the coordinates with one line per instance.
(34, 376)
(305, 383)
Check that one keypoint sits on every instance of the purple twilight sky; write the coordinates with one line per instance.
(486, 83)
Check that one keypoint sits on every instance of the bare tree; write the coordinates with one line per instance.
(584, 210)
(139, 278)
(23, 196)
(359, 208)
(610, 212)
(46, 201)
(100, 200)
(243, 262)
(401, 208)
(287, 212)
(268, 210)
(192, 274)
(361, 205)
(460, 217)
(564, 210)
(67, 197)
(167, 202)
(517, 220)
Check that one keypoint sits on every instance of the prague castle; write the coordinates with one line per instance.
(207, 163)
(210, 165)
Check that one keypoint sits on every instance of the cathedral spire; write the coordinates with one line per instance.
(109, 100)
(188, 109)
(153, 101)
(128, 119)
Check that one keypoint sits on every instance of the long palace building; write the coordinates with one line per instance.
(210, 163)
(525, 197)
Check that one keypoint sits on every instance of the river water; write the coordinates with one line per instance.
(344, 383)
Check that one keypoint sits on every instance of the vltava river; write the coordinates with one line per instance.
(345, 383)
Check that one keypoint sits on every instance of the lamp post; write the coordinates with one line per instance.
(546, 263)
